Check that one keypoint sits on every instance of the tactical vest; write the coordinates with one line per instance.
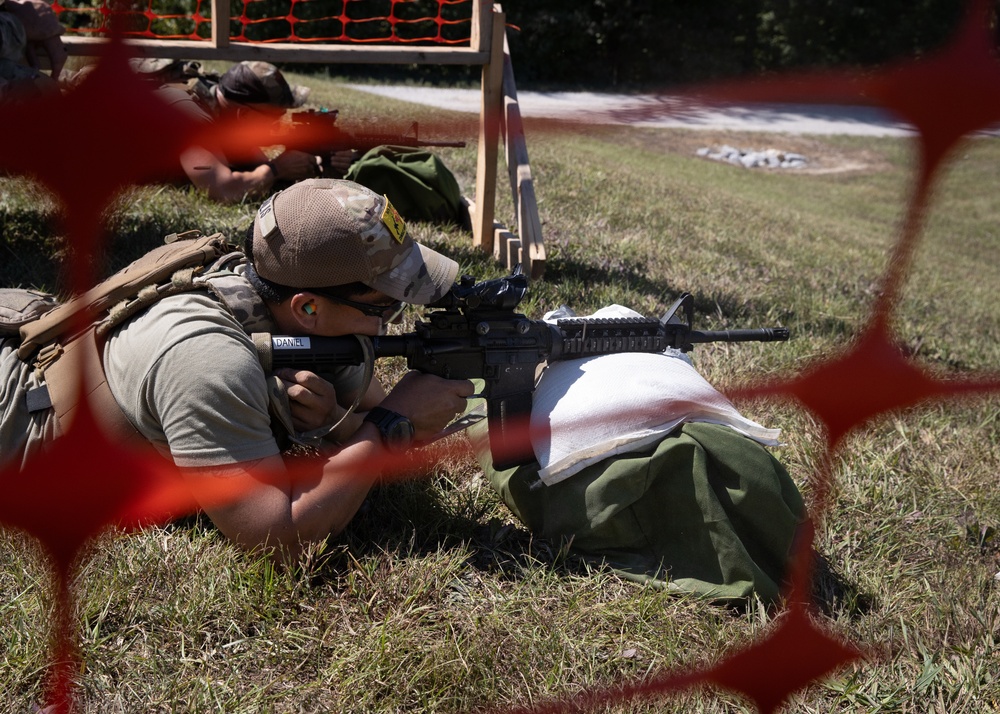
(65, 342)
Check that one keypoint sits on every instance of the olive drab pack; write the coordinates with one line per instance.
(63, 341)
(416, 181)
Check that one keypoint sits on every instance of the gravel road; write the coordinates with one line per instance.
(596, 108)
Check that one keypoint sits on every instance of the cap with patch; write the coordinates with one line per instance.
(326, 232)
(260, 83)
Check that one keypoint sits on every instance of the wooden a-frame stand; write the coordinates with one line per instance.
(499, 114)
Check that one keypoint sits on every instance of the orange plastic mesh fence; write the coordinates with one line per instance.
(69, 494)
(392, 21)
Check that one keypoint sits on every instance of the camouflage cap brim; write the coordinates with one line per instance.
(420, 276)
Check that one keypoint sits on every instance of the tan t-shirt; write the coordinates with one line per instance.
(187, 376)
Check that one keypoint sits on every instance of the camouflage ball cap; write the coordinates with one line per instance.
(325, 232)
(254, 82)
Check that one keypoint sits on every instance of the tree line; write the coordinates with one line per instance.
(631, 44)
(634, 43)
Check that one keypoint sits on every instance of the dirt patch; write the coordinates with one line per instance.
(823, 157)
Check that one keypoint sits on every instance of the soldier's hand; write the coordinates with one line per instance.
(340, 162)
(313, 400)
(295, 165)
(430, 402)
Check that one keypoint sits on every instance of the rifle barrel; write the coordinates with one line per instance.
(762, 334)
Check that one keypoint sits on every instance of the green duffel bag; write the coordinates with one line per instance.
(703, 510)
(415, 180)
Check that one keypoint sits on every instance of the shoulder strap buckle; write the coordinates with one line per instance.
(46, 356)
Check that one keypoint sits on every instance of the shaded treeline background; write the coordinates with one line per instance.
(641, 44)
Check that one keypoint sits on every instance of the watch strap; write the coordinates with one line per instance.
(385, 420)
(378, 415)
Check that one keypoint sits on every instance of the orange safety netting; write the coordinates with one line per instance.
(68, 495)
(393, 21)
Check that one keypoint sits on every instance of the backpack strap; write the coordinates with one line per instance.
(66, 342)
(75, 374)
(156, 267)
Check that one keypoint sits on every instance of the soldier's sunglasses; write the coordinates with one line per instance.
(388, 312)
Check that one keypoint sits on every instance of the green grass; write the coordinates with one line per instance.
(436, 599)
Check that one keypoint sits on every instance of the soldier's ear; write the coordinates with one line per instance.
(304, 310)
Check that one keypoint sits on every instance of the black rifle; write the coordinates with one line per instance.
(326, 138)
(474, 332)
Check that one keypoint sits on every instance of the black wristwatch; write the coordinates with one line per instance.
(396, 429)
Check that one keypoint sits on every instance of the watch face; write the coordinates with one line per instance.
(400, 432)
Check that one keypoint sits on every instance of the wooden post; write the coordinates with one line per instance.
(480, 33)
(220, 23)
(489, 137)
(529, 227)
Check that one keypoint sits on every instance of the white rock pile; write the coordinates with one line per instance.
(754, 158)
